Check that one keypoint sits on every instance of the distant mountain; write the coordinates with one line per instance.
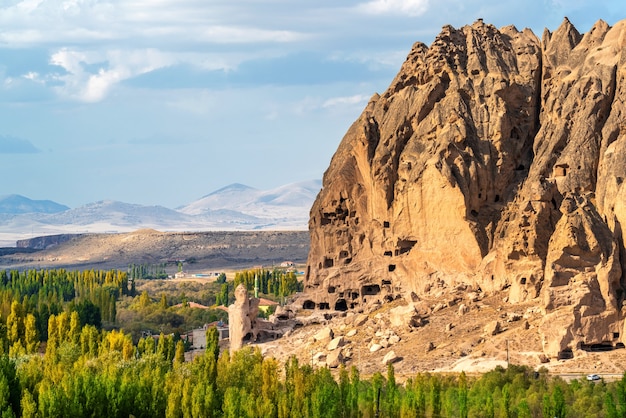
(116, 213)
(231, 208)
(16, 204)
(290, 200)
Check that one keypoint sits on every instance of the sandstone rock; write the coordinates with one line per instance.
(449, 327)
(390, 357)
(324, 335)
(336, 343)
(351, 333)
(438, 307)
(508, 149)
(319, 357)
(404, 316)
(514, 317)
(473, 297)
(493, 328)
(430, 346)
(360, 320)
(463, 309)
(375, 347)
(394, 339)
(242, 318)
(582, 271)
(334, 359)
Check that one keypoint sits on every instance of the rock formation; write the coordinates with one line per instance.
(242, 317)
(494, 160)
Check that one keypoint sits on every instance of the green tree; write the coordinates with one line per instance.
(463, 408)
(9, 388)
(28, 405)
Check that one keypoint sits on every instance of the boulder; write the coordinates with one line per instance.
(463, 309)
(493, 328)
(324, 335)
(404, 316)
(390, 357)
(375, 347)
(336, 343)
(334, 359)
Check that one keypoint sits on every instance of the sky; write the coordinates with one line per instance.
(161, 102)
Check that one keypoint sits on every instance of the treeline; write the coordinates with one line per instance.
(86, 372)
(277, 282)
(35, 295)
(82, 370)
(147, 271)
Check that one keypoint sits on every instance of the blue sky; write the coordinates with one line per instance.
(163, 101)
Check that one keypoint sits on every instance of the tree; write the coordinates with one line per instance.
(212, 342)
(391, 393)
(9, 387)
(30, 335)
(179, 357)
(558, 402)
(435, 395)
(463, 395)
(15, 323)
(88, 313)
(144, 299)
(163, 302)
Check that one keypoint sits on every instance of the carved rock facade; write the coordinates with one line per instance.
(495, 160)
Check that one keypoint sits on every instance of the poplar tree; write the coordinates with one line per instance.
(31, 339)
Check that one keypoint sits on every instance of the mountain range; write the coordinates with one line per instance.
(234, 207)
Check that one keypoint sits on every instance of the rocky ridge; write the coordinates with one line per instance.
(493, 164)
(201, 250)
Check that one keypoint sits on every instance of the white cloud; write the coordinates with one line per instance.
(113, 67)
(408, 7)
(150, 22)
(357, 99)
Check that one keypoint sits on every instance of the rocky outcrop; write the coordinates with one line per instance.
(242, 318)
(494, 160)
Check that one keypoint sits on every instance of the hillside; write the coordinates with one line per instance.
(492, 166)
(200, 250)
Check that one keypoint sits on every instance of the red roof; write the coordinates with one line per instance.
(193, 305)
(267, 302)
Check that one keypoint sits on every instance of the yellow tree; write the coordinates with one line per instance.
(179, 357)
(31, 339)
(74, 332)
(15, 323)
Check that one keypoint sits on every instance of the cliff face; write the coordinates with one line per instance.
(493, 162)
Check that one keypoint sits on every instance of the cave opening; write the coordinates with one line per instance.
(566, 354)
(341, 305)
(372, 290)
